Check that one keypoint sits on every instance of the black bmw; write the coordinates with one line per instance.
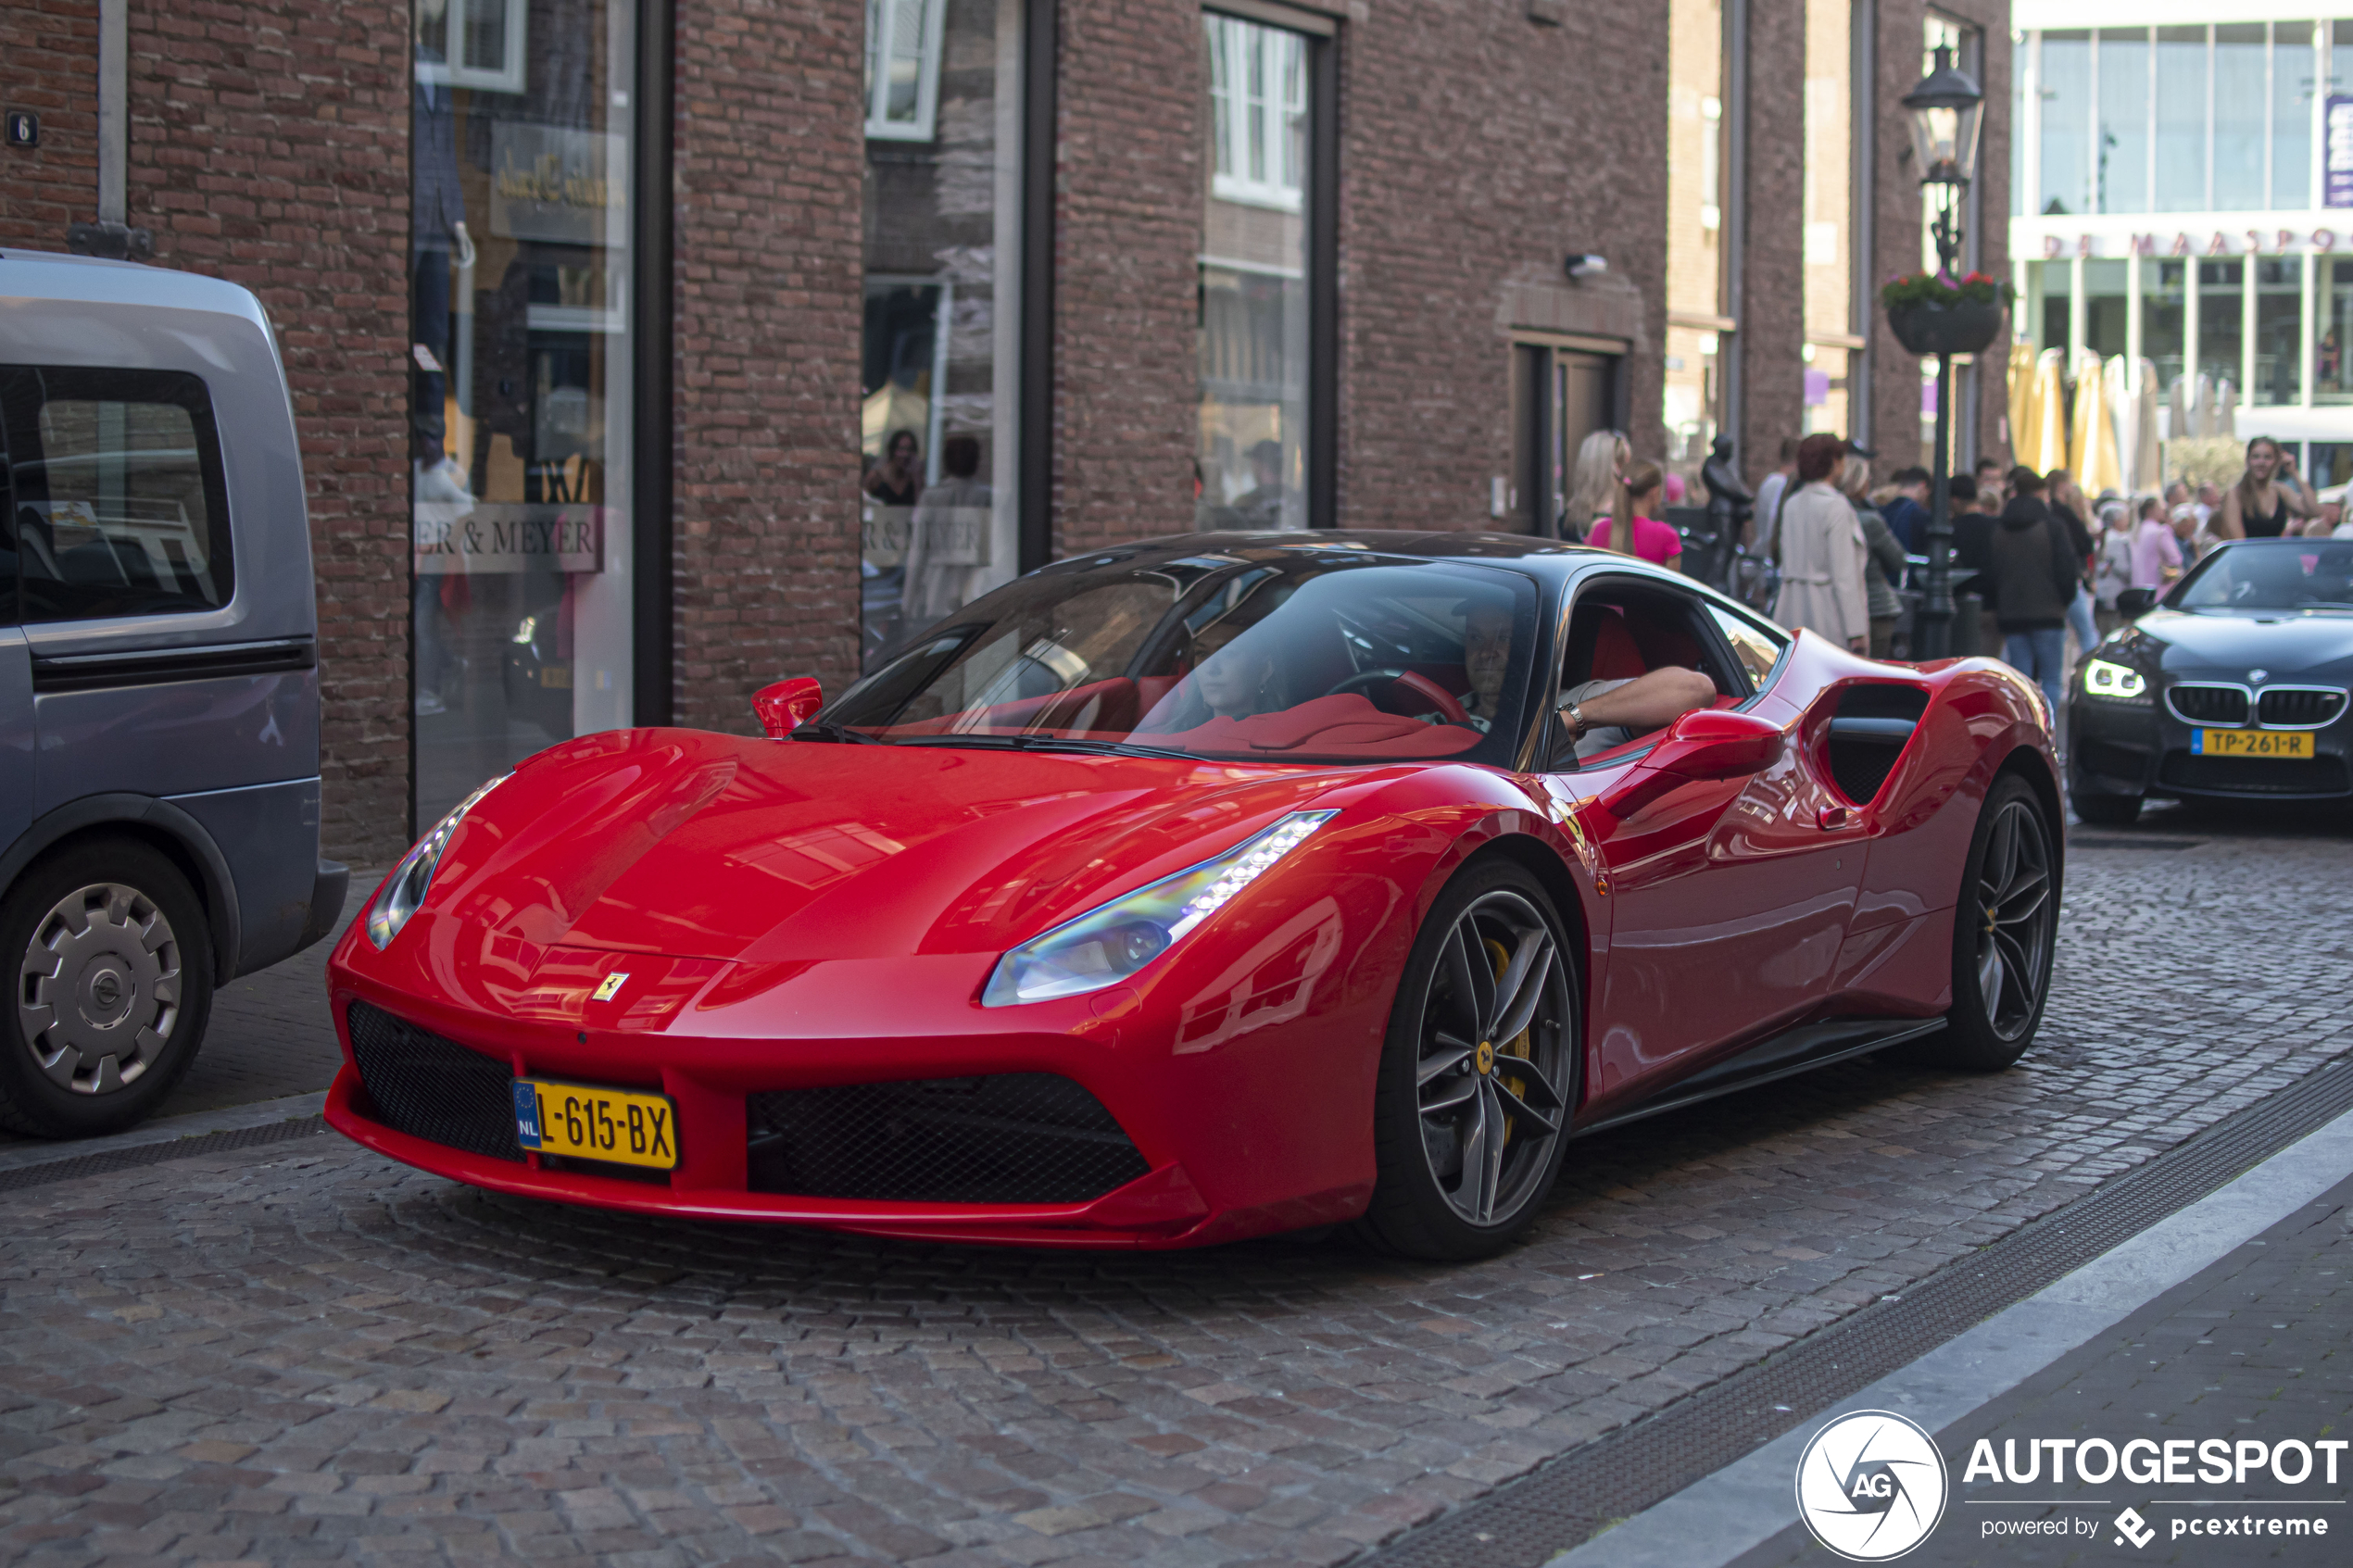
(2233, 686)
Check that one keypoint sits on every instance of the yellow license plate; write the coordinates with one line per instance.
(555, 677)
(2252, 742)
(586, 1123)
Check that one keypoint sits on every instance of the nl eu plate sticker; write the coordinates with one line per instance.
(527, 1114)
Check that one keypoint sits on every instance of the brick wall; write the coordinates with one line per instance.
(1479, 148)
(49, 65)
(1128, 224)
(268, 145)
(1771, 303)
(768, 161)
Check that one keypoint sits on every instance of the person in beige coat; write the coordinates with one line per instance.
(1822, 552)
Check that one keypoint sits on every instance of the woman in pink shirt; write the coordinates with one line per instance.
(1629, 529)
(2157, 555)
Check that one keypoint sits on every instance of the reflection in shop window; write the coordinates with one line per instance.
(520, 432)
(1251, 465)
(2331, 375)
(1692, 390)
(904, 42)
(1829, 198)
(2279, 336)
(2221, 329)
(937, 515)
(2164, 312)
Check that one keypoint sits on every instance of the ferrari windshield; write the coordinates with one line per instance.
(2289, 574)
(1277, 653)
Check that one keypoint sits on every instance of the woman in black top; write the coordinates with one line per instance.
(897, 481)
(2266, 497)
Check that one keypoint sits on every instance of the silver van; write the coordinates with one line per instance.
(159, 681)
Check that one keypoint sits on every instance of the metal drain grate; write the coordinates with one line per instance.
(73, 1167)
(1618, 1476)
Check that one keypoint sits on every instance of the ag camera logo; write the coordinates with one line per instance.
(1871, 1486)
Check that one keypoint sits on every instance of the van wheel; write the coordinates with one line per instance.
(1479, 1074)
(110, 964)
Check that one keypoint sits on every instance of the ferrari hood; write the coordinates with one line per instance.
(2286, 644)
(706, 845)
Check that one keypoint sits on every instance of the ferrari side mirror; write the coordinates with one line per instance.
(787, 704)
(2133, 603)
(1707, 743)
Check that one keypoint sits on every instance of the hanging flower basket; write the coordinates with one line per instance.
(1965, 328)
(1936, 313)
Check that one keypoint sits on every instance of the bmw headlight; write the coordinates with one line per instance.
(2104, 678)
(403, 891)
(1105, 946)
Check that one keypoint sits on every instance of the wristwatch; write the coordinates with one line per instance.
(1575, 718)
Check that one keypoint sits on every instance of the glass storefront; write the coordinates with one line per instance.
(939, 515)
(1828, 236)
(1692, 398)
(1251, 462)
(521, 344)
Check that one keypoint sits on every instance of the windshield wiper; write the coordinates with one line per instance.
(827, 730)
(1071, 743)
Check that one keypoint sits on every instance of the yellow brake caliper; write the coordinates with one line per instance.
(1518, 1045)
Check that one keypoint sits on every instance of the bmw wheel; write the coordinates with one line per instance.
(110, 967)
(1479, 1072)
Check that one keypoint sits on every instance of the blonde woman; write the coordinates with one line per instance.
(1822, 552)
(1601, 462)
(1628, 528)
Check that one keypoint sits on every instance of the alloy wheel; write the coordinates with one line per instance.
(98, 989)
(1493, 1062)
(2014, 911)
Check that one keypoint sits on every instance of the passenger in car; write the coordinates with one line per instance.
(1600, 714)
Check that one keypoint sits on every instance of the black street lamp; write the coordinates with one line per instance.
(1946, 108)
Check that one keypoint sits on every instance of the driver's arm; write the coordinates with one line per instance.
(1651, 701)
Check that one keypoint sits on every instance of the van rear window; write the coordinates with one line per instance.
(115, 501)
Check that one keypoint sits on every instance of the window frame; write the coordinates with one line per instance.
(212, 475)
(1233, 117)
(881, 24)
(451, 72)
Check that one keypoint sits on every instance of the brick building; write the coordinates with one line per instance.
(943, 289)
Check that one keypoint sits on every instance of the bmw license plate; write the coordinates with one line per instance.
(625, 1126)
(2251, 743)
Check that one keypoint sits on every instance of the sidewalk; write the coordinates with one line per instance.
(2250, 1348)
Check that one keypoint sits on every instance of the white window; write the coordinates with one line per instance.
(903, 68)
(476, 43)
(1258, 99)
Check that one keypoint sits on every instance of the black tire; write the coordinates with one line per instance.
(1498, 1174)
(2005, 928)
(136, 975)
(2108, 810)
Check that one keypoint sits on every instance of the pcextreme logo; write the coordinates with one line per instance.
(1871, 1486)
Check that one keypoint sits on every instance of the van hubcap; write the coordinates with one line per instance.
(98, 992)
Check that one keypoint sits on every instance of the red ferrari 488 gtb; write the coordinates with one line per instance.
(1209, 888)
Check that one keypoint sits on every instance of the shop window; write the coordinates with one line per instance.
(2279, 330)
(2106, 307)
(938, 368)
(2332, 373)
(472, 43)
(1258, 112)
(2164, 308)
(1698, 324)
(2222, 328)
(903, 42)
(1828, 196)
(1254, 459)
(522, 350)
(2179, 104)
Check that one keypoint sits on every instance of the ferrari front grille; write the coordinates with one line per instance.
(431, 1088)
(2201, 703)
(2253, 775)
(2300, 708)
(1010, 1137)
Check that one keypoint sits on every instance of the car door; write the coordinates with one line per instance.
(1728, 898)
(16, 685)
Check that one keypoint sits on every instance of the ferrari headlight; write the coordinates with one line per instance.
(2102, 678)
(1105, 946)
(403, 891)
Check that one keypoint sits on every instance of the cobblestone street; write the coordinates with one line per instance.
(305, 1352)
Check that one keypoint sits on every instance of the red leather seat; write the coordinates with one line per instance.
(1616, 657)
